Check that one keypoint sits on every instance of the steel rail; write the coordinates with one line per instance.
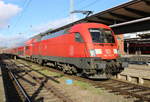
(48, 86)
(27, 98)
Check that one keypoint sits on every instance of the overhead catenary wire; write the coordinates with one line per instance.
(25, 6)
(90, 4)
(80, 2)
(24, 3)
(19, 18)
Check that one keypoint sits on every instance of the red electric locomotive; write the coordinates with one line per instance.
(88, 49)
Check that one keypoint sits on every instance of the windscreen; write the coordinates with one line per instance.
(101, 35)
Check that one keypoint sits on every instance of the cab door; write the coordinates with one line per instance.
(78, 48)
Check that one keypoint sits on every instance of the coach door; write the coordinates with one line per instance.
(28, 50)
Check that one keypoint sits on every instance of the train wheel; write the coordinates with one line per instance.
(66, 69)
(69, 69)
(41, 62)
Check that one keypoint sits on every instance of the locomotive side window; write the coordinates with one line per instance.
(55, 34)
(78, 37)
(101, 35)
(27, 47)
(38, 39)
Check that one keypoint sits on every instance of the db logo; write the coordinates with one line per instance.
(108, 51)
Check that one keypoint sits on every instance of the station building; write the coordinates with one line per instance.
(134, 43)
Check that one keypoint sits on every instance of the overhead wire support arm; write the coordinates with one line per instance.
(87, 13)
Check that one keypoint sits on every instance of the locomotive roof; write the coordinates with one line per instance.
(116, 16)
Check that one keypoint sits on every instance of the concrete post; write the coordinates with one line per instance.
(118, 76)
(141, 81)
(129, 78)
(15, 57)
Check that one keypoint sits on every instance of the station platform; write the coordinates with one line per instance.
(134, 70)
(2, 92)
(135, 55)
(137, 59)
(139, 74)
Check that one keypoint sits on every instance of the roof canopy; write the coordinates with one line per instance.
(129, 17)
(133, 10)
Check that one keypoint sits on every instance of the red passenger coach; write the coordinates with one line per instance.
(88, 49)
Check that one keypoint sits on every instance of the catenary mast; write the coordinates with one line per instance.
(71, 9)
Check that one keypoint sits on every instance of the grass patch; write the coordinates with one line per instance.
(47, 72)
(88, 86)
(83, 85)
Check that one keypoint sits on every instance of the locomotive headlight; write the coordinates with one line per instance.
(92, 52)
(98, 51)
(115, 51)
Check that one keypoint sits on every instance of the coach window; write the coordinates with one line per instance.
(78, 37)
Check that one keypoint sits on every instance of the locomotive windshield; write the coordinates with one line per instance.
(100, 35)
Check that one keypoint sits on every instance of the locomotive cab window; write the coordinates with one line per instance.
(78, 37)
(100, 35)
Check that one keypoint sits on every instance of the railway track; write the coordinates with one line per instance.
(124, 88)
(33, 87)
(142, 93)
